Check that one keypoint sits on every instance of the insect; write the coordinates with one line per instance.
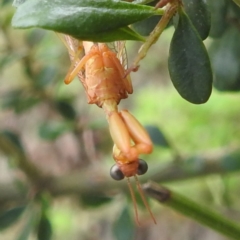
(103, 75)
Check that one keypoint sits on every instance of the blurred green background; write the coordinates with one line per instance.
(67, 144)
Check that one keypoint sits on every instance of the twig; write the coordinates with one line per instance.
(87, 180)
(191, 209)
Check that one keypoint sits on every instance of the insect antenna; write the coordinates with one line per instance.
(134, 201)
(144, 199)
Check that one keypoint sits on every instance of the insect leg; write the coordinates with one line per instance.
(121, 137)
(77, 67)
(137, 132)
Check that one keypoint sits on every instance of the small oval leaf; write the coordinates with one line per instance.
(96, 199)
(45, 76)
(19, 100)
(219, 22)
(9, 217)
(124, 33)
(224, 54)
(9, 58)
(34, 37)
(146, 26)
(80, 18)
(199, 14)
(44, 229)
(157, 136)
(66, 109)
(124, 227)
(189, 64)
(52, 130)
(13, 138)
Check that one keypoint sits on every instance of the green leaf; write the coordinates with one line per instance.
(45, 76)
(26, 103)
(52, 130)
(157, 136)
(19, 101)
(96, 199)
(224, 54)
(188, 63)
(13, 138)
(124, 227)
(35, 36)
(44, 229)
(82, 19)
(199, 14)
(8, 59)
(124, 33)
(146, 26)
(219, 22)
(66, 109)
(9, 217)
(11, 99)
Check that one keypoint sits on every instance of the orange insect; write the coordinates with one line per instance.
(103, 75)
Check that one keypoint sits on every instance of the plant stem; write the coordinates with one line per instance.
(189, 208)
(170, 10)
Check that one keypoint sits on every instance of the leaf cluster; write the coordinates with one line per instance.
(190, 68)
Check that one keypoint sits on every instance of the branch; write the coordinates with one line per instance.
(87, 180)
(191, 209)
(226, 160)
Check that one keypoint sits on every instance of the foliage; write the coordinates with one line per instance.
(189, 67)
(85, 20)
(47, 113)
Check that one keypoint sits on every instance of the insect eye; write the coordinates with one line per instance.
(142, 167)
(116, 173)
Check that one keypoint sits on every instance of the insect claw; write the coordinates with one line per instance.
(131, 69)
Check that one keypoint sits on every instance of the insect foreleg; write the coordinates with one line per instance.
(137, 132)
(77, 67)
(121, 137)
